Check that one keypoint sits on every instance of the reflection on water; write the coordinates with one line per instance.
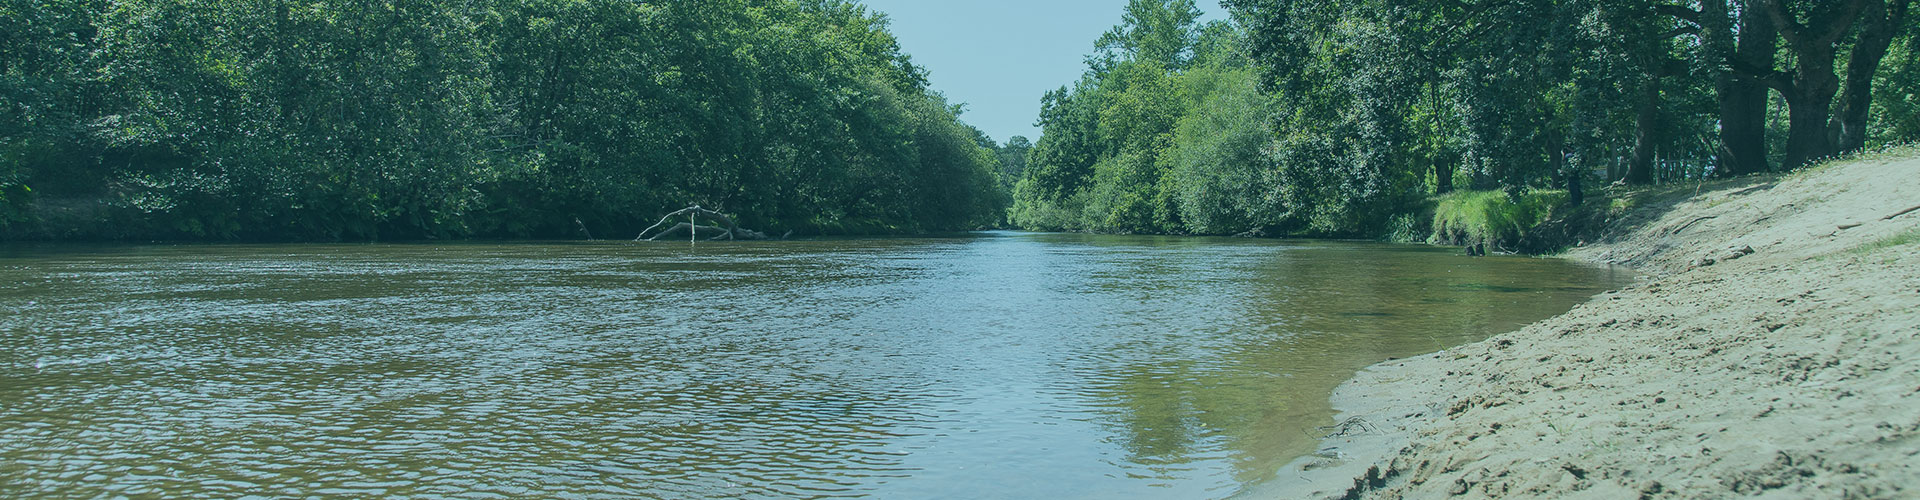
(1002, 364)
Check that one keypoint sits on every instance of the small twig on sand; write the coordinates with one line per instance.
(1902, 212)
(1684, 227)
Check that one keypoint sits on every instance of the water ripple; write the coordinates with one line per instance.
(1038, 365)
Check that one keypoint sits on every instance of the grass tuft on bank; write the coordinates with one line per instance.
(1898, 240)
(1493, 218)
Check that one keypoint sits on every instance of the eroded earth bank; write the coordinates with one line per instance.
(1772, 350)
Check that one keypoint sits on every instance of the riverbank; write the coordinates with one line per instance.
(1770, 351)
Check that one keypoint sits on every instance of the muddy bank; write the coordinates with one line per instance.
(1773, 350)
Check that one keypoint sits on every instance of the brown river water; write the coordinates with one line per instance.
(991, 365)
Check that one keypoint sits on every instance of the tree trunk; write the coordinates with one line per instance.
(1807, 137)
(1743, 98)
(1575, 195)
(1810, 92)
(1571, 174)
(1881, 23)
(1645, 122)
(1443, 165)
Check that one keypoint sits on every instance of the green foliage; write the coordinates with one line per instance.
(326, 120)
(1162, 135)
(1034, 208)
(1492, 218)
(1158, 32)
(1222, 183)
(1896, 111)
(1405, 228)
(1124, 195)
(1349, 117)
(1062, 161)
(1383, 104)
(14, 199)
(1013, 160)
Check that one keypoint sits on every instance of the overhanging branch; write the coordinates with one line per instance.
(1680, 12)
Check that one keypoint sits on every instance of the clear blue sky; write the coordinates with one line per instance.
(1000, 56)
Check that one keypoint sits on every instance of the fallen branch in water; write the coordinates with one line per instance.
(730, 231)
(583, 228)
(717, 232)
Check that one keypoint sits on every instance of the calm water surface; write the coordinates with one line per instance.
(994, 365)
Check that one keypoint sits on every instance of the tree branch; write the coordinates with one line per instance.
(1842, 22)
(1789, 26)
(1464, 20)
(1683, 30)
(1825, 25)
(1772, 78)
(1680, 12)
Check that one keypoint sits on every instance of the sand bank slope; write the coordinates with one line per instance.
(1773, 351)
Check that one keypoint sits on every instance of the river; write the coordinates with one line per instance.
(987, 365)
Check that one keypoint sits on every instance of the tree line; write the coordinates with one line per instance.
(1348, 117)
(407, 119)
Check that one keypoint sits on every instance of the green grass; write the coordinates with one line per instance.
(1899, 240)
(1491, 217)
(1884, 152)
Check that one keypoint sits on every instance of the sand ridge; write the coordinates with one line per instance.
(1772, 351)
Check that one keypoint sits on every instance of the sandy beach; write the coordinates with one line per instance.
(1772, 350)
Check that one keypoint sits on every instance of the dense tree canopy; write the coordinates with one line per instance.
(1164, 121)
(328, 119)
(1368, 109)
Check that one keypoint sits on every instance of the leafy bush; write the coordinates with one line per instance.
(13, 203)
(1493, 218)
(1032, 210)
(1404, 228)
(1221, 178)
